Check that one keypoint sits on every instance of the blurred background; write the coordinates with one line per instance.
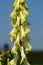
(36, 20)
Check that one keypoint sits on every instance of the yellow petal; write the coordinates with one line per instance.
(22, 17)
(12, 62)
(17, 42)
(13, 33)
(15, 30)
(22, 32)
(14, 50)
(22, 55)
(12, 38)
(25, 13)
(18, 21)
(22, 1)
(25, 62)
(13, 15)
(17, 5)
(28, 48)
(27, 31)
(14, 4)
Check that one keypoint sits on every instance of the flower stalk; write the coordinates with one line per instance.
(19, 33)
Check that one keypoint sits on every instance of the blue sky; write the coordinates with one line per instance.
(35, 18)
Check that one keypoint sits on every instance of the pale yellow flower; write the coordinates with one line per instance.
(25, 62)
(14, 4)
(25, 13)
(14, 50)
(17, 42)
(22, 32)
(18, 21)
(25, 44)
(13, 15)
(17, 4)
(12, 62)
(22, 55)
(27, 30)
(28, 48)
(13, 35)
(15, 30)
(22, 17)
